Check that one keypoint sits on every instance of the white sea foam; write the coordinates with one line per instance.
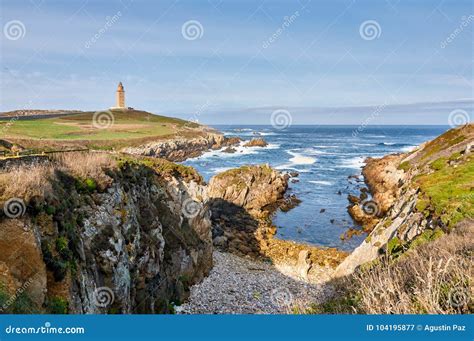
(240, 150)
(296, 160)
(355, 162)
(300, 159)
(325, 146)
(272, 146)
(364, 144)
(321, 182)
(220, 169)
(408, 149)
(289, 167)
(312, 151)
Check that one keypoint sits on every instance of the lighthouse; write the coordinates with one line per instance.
(119, 97)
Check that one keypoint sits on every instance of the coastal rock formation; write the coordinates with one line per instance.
(242, 202)
(131, 239)
(239, 199)
(179, 149)
(384, 180)
(408, 197)
(250, 187)
(256, 142)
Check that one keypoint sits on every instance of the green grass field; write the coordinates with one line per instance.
(103, 129)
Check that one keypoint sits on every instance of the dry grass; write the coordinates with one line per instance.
(433, 278)
(85, 165)
(27, 182)
(35, 180)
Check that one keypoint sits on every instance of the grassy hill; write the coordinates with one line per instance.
(105, 129)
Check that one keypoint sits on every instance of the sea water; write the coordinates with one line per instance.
(325, 157)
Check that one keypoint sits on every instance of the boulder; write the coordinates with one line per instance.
(220, 242)
(256, 142)
(229, 150)
(304, 264)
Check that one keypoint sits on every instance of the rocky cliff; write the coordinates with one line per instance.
(179, 149)
(87, 234)
(416, 197)
(242, 202)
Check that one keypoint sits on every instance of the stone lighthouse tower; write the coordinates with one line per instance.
(120, 97)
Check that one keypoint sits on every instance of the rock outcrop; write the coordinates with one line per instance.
(400, 211)
(242, 202)
(133, 247)
(384, 180)
(250, 187)
(256, 142)
(180, 149)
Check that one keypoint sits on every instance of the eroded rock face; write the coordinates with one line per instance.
(21, 262)
(250, 187)
(133, 248)
(242, 202)
(400, 218)
(384, 180)
(180, 149)
(398, 202)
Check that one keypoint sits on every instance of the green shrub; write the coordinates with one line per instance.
(394, 246)
(58, 305)
(21, 304)
(438, 164)
(50, 210)
(88, 185)
(405, 166)
(62, 246)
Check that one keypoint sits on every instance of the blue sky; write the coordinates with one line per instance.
(319, 67)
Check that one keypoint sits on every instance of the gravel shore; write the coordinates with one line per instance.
(239, 285)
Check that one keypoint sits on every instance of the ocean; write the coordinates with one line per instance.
(325, 157)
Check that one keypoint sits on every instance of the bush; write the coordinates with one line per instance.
(86, 186)
(58, 305)
(438, 164)
(21, 304)
(405, 166)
